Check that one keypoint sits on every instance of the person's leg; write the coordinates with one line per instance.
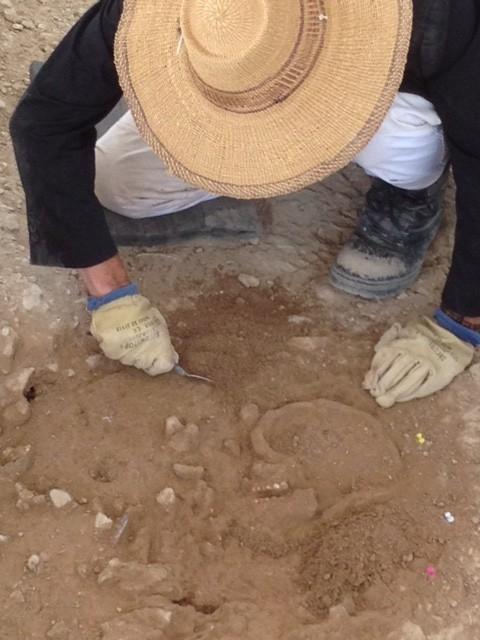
(408, 160)
(132, 181)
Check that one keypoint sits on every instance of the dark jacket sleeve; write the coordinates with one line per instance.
(456, 96)
(53, 133)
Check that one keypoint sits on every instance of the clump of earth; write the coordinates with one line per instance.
(277, 503)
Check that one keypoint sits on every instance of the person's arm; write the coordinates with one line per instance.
(426, 356)
(53, 133)
(456, 97)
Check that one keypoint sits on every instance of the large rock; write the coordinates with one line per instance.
(147, 624)
(139, 579)
(15, 409)
(15, 385)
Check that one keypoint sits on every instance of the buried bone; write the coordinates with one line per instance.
(313, 444)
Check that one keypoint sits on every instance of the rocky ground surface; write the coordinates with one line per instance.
(277, 503)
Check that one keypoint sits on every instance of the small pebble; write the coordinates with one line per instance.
(3, 538)
(60, 498)
(449, 517)
(34, 563)
(103, 522)
(250, 282)
(173, 425)
(166, 497)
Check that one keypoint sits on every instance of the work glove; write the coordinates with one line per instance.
(129, 329)
(415, 361)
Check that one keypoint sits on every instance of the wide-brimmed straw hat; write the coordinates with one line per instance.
(255, 98)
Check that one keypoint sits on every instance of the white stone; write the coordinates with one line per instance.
(103, 522)
(166, 497)
(60, 498)
(3, 538)
(250, 282)
(33, 563)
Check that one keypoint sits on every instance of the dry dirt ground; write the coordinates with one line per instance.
(279, 503)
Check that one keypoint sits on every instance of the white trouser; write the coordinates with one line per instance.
(408, 151)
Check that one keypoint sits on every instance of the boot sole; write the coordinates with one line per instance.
(371, 289)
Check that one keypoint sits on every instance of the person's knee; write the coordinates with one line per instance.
(409, 149)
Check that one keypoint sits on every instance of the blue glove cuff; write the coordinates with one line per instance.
(464, 333)
(128, 290)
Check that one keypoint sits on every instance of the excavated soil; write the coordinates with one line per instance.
(277, 503)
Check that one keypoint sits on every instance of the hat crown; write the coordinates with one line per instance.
(236, 109)
(235, 45)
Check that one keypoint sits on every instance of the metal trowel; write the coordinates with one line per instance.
(180, 371)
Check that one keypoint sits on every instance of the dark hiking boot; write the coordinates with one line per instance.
(219, 218)
(386, 251)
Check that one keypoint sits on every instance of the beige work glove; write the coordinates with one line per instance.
(414, 362)
(134, 332)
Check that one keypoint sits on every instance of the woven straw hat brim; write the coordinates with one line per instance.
(317, 130)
